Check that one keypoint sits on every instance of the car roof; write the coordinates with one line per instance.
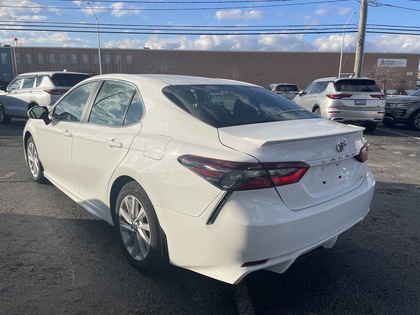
(335, 79)
(48, 73)
(170, 79)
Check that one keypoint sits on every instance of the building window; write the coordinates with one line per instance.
(62, 58)
(4, 59)
(129, 59)
(17, 57)
(28, 58)
(107, 59)
(40, 58)
(85, 59)
(118, 62)
(51, 58)
(74, 59)
(95, 59)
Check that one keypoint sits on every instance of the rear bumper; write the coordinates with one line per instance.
(354, 115)
(255, 231)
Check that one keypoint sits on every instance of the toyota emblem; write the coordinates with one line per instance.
(341, 145)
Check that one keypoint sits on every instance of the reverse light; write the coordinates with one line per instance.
(228, 175)
(338, 96)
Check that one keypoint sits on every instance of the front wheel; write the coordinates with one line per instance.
(4, 119)
(415, 120)
(35, 165)
(138, 228)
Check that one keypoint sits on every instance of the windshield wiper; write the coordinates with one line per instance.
(287, 111)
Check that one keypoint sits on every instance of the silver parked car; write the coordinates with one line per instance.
(286, 90)
(348, 100)
(35, 89)
(403, 110)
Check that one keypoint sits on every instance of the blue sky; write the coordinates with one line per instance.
(248, 25)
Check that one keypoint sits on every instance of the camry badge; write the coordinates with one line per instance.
(341, 145)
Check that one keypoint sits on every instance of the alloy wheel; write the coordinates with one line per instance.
(33, 160)
(134, 227)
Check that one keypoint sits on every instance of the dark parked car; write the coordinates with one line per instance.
(403, 110)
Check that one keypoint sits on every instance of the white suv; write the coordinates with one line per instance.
(348, 100)
(35, 88)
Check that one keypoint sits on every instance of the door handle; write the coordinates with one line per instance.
(67, 134)
(113, 144)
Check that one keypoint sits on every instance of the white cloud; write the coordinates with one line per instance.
(325, 9)
(232, 42)
(393, 43)
(119, 10)
(333, 43)
(237, 14)
(124, 43)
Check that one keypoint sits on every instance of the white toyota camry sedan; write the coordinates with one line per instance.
(216, 176)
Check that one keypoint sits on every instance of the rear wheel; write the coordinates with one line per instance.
(389, 123)
(317, 111)
(138, 228)
(415, 120)
(4, 119)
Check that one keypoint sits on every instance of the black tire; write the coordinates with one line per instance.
(317, 111)
(370, 127)
(4, 119)
(138, 229)
(415, 120)
(389, 123)
(34, 163)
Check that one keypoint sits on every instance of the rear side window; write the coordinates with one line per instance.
(68, 79)
(362, 85)
(111, 104)
(232, 105)
(28, 82)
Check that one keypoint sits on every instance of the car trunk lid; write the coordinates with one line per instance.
(329, 149)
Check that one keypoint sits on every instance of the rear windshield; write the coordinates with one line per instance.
(233, 105)
(68, 79)
(362, 85)
(287, 88)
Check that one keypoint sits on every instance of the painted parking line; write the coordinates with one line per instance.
(8, 175)
(399, 133)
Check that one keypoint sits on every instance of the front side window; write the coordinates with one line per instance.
(70, 108)
(111, 103)
(232, 105)
(28, 82)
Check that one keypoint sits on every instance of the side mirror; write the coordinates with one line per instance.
(301, 93)
(39, 112)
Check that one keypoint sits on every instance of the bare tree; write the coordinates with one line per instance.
(388, 77)
(160, 67)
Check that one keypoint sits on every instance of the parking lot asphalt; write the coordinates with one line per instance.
(55, 258)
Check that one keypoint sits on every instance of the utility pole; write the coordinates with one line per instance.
(358, 62)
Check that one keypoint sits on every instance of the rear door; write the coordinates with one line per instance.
(101, 143)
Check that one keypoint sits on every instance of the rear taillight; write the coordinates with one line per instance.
(278, 92)
(338, 96)
(379, 96)
(55, 91)
(363, 153)
(228, 175)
